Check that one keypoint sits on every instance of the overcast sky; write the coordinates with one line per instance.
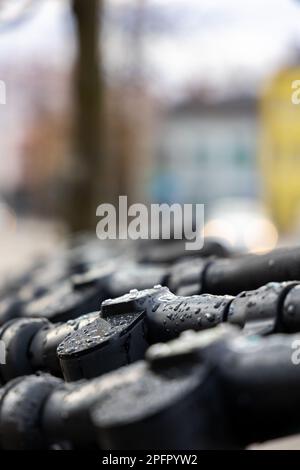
(187, 40)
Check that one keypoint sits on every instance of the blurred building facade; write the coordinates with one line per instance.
(207, 150)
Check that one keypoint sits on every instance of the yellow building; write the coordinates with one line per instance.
(280, 147)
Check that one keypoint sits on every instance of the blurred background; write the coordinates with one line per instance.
(159, 100)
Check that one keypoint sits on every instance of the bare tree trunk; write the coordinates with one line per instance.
(87, 184)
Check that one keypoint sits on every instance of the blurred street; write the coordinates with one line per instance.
(29, 241)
